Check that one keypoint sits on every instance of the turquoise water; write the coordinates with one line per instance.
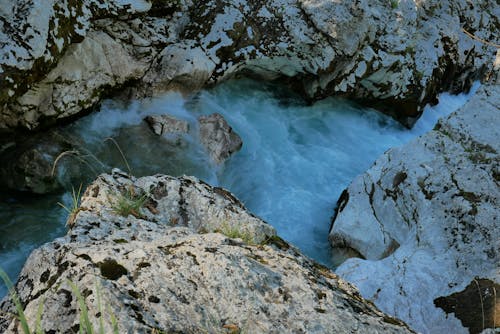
(295, 161)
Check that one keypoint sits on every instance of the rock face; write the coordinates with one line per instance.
(425, 216)
(61, 57)
(166, 124)
(153, 271)
(218, 137)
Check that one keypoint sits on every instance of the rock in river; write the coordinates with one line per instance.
(426, 218)
(183, 257)
(218, 137)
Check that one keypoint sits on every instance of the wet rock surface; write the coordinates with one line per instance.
(30, 164)
(425, 216)
(149, 268)
(166, 124)
(218, 137)
(62, 57)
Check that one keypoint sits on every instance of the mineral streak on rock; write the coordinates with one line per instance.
(426, 218)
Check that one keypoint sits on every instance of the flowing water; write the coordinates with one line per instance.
(295, 161)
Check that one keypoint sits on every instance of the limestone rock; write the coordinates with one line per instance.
(63, 57)
(218, 137)
(166, 124)
(152, 271)
(425, 217)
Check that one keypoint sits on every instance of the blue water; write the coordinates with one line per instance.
(295, 161)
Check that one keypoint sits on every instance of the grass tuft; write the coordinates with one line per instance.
(129, 204)
(75, 204)
(235, 232)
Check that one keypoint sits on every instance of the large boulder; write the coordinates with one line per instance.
(152, 271)
(62, 57)
(425, 218)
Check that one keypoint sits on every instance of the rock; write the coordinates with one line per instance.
(463, 304)
(218, 137)
(31, 164)
(62, 58)
(425, 217)
(152, 271)
(166, 124)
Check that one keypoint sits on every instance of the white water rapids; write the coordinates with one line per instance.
(295, 161)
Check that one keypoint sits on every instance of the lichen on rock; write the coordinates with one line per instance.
(425, 218)
(73, 53)
(170, 267)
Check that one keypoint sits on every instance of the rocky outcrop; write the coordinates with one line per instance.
(159, 267)
(218, 137)
(166, 124)
(425, 217)
(62, 57)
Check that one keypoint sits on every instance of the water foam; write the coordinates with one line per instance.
(295, 161)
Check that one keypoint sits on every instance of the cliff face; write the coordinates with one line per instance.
(189, 258)
(61, 57)
(426, 218)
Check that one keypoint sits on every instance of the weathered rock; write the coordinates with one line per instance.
(218, 137)
(166, 124)
(155, 272)
(464, 303)
(29, 164)
(425, 216)
(63, 57)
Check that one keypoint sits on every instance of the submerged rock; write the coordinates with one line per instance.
(152, 271)
(425, 216)
(31, 164)
(218, 137)
(166, 124)
(63, 56)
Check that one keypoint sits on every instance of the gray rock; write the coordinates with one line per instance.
(218, 137)
(63, 57)
(152, 271)
(166, 124)
(426, 218)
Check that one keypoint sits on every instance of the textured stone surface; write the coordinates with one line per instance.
(426, 218)
(153, 271)
(63, 56)
(218, 137)
(166, 124)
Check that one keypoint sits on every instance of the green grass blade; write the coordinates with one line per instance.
(84, 315)
(121, 153)
(64, 207)
(114, 322)
(17, 302)
(38, 323)
(99, 305)
(76, 197)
